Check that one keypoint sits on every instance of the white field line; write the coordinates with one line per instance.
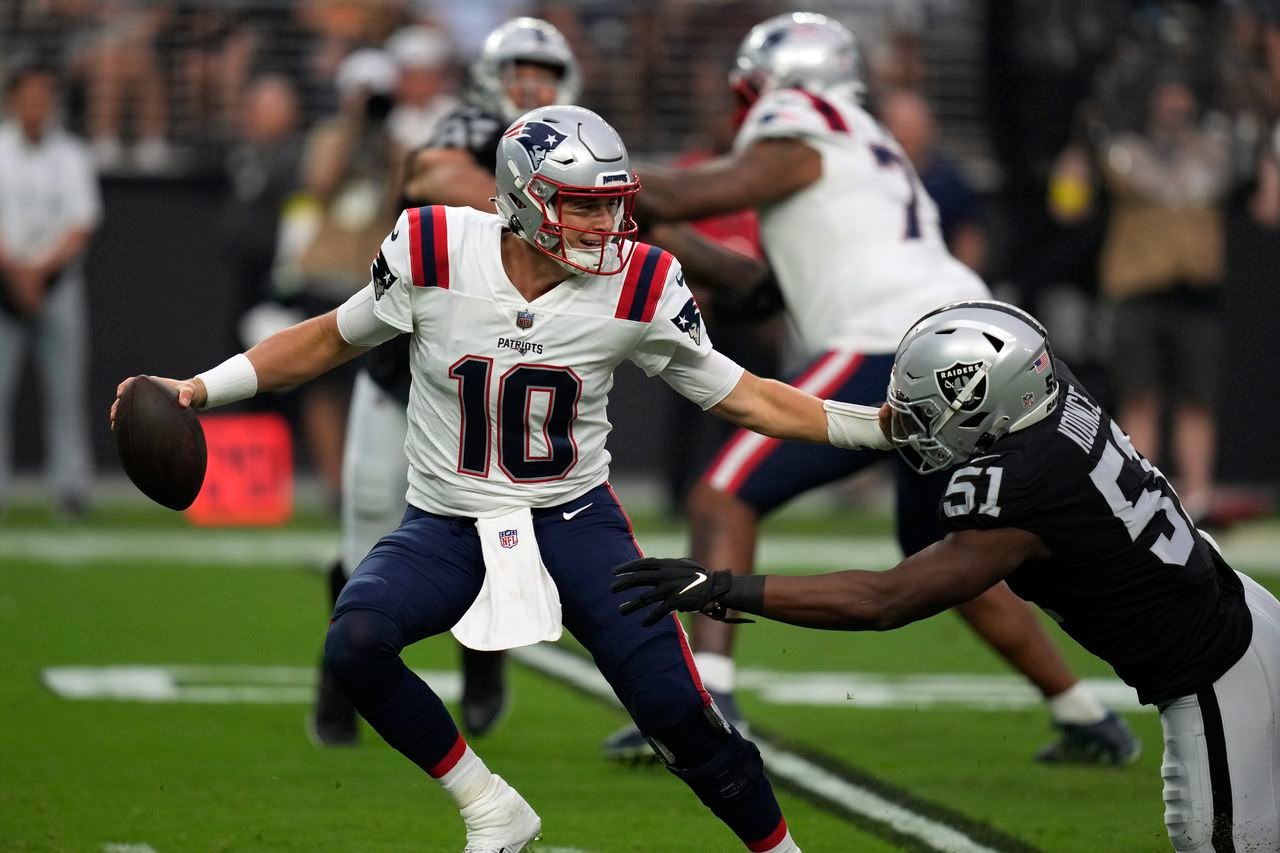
(216, 684)
(117, 847)
(782, 763)
(1254, 551)
(206, 684)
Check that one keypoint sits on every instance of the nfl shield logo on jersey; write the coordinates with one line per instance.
(508, 538)
(524, 319)
(952, 380)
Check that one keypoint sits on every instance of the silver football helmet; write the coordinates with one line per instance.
(558, 155)
(799, 49)
(965, 375)
(530, 40)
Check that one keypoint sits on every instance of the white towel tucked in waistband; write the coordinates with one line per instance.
(518, 604)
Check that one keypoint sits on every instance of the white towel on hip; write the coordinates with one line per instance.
(518, 604)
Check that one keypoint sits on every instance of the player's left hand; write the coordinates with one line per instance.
(675, 584)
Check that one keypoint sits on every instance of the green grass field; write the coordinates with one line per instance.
(122, 774)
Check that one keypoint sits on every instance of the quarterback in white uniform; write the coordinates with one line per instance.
(524, 63)
(855, 248)
(518, 321)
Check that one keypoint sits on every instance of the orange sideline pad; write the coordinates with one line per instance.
(249, 480)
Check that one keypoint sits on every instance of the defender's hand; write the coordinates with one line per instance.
(675, 584)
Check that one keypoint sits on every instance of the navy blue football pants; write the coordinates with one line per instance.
(419, 580)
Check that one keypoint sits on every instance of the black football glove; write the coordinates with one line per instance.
(674, 585)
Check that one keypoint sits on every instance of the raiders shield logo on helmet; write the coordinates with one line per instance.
(538, 140)
(952, 380)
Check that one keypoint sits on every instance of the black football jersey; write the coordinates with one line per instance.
(1130, 578)
(477, 132)
(473, 130)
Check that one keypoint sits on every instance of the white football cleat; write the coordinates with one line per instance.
(500, 821)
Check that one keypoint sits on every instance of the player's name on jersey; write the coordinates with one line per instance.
(1080, 419)
(522, 347)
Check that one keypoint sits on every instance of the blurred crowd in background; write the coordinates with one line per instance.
(1087, 156)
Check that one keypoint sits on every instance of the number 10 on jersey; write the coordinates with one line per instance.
(518, 389)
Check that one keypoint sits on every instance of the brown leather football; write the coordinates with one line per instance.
(160, 444)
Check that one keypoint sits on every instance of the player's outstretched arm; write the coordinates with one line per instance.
(779, 410)
(764, 172)
(289, 357)
(950, 572)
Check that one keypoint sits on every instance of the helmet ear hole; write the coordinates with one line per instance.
(995, 342)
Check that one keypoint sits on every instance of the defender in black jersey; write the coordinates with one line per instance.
(524, 64)
(1047, 494)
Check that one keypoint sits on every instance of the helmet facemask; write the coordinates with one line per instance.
(916, 426)
(964, 376)
(510, 77)
(615, 244)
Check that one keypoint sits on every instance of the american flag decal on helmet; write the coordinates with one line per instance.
(1041, 362)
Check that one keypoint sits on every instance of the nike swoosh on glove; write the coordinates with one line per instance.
(674, 584)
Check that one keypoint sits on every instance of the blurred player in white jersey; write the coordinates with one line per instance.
(524, 63)
(855, 250)
(517, 322)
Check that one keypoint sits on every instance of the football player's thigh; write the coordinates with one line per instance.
(1249, 697)
(423, 575)
(374, 469)
(1221, 751)
(580, 554)
(916, 512)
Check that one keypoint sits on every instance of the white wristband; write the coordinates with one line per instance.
(854, 427)
(233, 380)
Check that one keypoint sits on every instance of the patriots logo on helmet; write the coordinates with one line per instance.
(952, 380)
(689, 321)
(773, 39)
(538, 140)
(383, 277)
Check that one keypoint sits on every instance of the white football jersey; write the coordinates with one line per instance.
(858, 254)
(507, 405)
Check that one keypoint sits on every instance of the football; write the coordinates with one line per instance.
(160, 444)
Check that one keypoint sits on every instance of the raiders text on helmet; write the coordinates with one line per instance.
(558, 154)
(965, 375)
(800, 49)
(529, 40)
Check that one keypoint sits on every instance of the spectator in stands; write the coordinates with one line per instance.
(424, 93)
(351, 167)
(1161, 267)
(123, 77)
(1265, 204)
(907, 116)
(49, 207)
(263, 171)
